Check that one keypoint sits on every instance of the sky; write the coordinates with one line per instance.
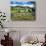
(30, 4)
(21, 3)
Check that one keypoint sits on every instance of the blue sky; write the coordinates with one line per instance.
(15, 3)
(21, 3)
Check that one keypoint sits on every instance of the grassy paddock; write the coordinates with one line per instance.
(21, 14)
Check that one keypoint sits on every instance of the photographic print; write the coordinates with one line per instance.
(23, 10)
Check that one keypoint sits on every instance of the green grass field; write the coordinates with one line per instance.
(21, 13)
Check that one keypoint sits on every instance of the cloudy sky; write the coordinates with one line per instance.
(29, 4)
(23, 3)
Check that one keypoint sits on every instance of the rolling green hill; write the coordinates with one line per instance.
(22, 13)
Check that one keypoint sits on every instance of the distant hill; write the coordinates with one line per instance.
(21, 7)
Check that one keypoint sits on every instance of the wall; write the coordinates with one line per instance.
(40, 15)
(26, 26)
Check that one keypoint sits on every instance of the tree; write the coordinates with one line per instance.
(2, 18)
